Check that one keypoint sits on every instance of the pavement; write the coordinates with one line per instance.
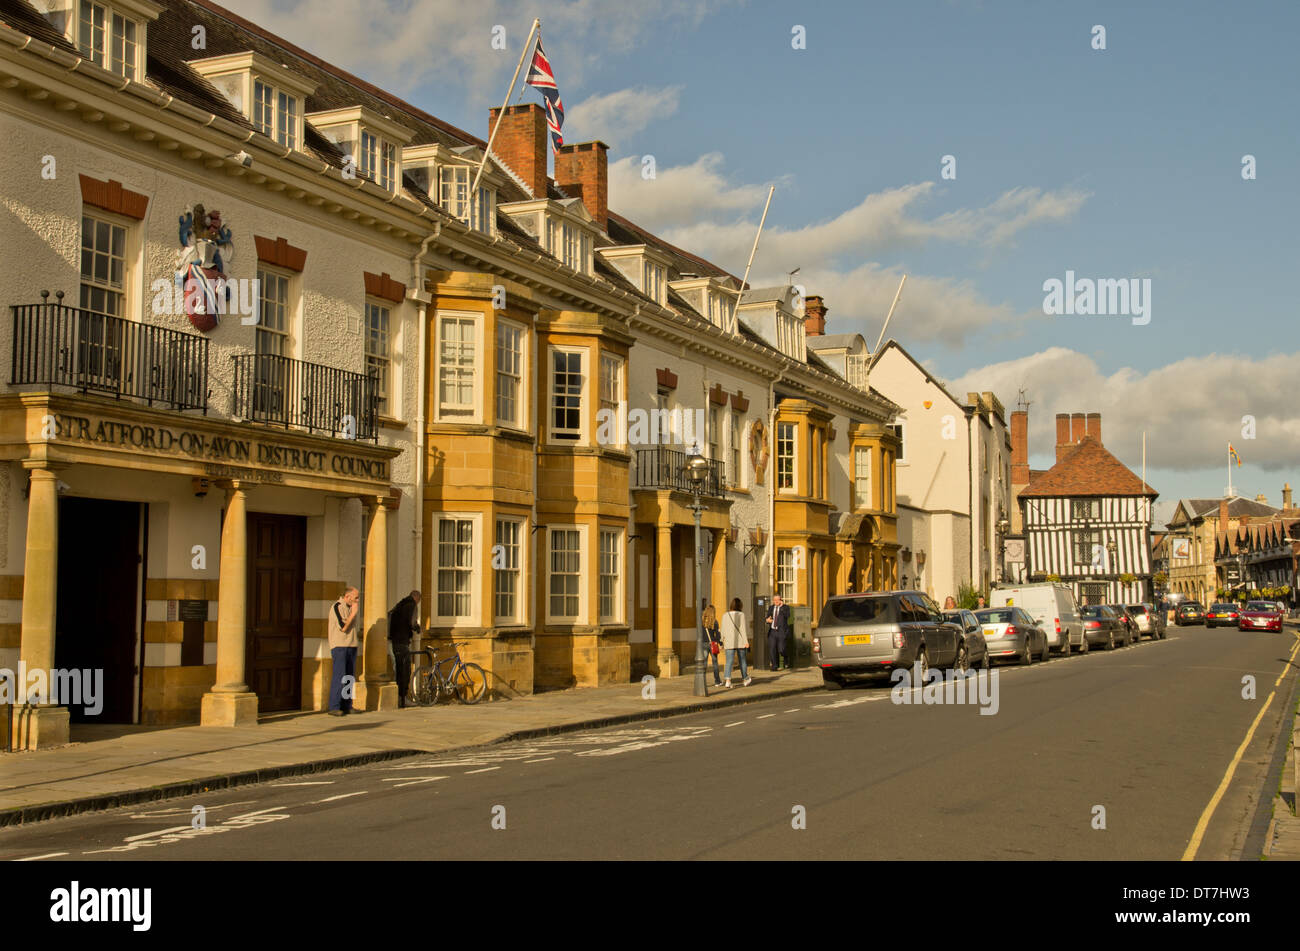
(110, 766)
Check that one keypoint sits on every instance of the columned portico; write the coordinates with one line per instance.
(377, 689)
(42, 724)
(230, 702)
(720, 597)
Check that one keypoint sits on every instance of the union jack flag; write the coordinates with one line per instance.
(542, 78)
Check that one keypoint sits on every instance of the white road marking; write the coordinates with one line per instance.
(404, 779)
(485, 769)
(793, 710)
(146, 835)
(341, 796)
(249, 815)
(766, 715)
(416, 782)
(37, 858)
(544, 759)
(321, 782)
(737, 723)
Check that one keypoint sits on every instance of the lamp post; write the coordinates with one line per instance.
(1003, 527)
(697, 469)
(1111, 548)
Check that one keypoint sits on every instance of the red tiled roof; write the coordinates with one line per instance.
(1087, 469)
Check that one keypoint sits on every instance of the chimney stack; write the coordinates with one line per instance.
(1020, 447)
(521, 143)
(1223, 515)
(1262, 499)
(1078, 426)
(1062, 435)
(582, 170)
(814, 316)
(1286, 496)
(1093, 427)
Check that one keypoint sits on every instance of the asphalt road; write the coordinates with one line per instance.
(1145, 732)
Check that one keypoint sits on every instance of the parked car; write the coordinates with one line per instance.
(1260, 616)
(1148, 619)
(1102, 626)
(1222, 612)
(1011, 632)
(1130, 626)
(974, 648)
(876, 633)
(1052, 606)
(1189, 612)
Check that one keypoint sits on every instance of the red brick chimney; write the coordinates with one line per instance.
(1078, 426)
(1093, 427)
(814, 316)
(1223, 515)
(1020, 447)
(582, 170)
(521, 143)
(1062, 435)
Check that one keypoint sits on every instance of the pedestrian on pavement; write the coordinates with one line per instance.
(950, 604)
(734, 642)
(403, 621)
(713, 642)
(981, 604)
(778, 630)
(343, 642)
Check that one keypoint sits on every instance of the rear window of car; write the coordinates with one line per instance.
(1137, 609)
(874, 610)
(1190, 606)
(1259, 606)
(1091, 610)
(995, 615)
(1222, 607)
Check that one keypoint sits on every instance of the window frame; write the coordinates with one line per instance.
(580, 531)
(786, 569)
(580, 435)
(384, 392)
(614, 362)
(791, 459)
(519, 420)
(735, 449)
(269, 277)
(617, 596)
(469, 570)
(445, 410)
(123, 291)
(859, 476)
(100, 44)
(520, 594)
(899, 429)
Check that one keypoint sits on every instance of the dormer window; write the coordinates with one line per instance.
(644, 266)
(269, 94)
(454, 182)
(565, 229)
(378, 160)
(712, 298)
(110, 35)
(368, 142)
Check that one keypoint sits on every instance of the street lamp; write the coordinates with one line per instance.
(1003, 527)
(697, 470)
(1111, 548)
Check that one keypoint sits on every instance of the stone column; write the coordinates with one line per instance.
(41, 724)
(666, 658)
(719, 594)
(230, 702)
(377, 689)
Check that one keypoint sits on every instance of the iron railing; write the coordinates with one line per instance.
(286, 392)
(56, 345)
(661, 468)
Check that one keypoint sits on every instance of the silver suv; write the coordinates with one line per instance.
(879, 632)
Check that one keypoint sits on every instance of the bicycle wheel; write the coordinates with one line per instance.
(422, 691)
(469, 683)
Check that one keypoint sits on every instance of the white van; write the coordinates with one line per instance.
(1052, 606)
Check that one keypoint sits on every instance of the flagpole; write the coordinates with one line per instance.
(1229, 470)
(473, 191)
(753, 251)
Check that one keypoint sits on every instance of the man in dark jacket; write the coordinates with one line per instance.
(403, 621)
(778, 632)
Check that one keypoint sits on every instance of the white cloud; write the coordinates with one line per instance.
(401, 45)
(1190, 409)
(615, 117)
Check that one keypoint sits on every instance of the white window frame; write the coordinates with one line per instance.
(519, 570)
(618, 596)
(716, 436)
(861, 475)
(519, 420)
(383, 360)
(581, 616)
(787, 581)
(459, 412)
(652, 281)
(107, 286)
(607, 400)
(581, 433)
(275, 114)
(471, 571)
(736, 447)
(106, 46)
(793, 487)
(268, 278)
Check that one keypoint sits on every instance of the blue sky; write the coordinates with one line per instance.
(1116, 163)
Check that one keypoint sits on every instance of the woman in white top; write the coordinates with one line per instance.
(734, 641)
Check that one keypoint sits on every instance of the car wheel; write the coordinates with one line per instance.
(1028, 657)
(923, 662)
(962, 661)
(1084, 649)
(1110, 639)
(1047, 650)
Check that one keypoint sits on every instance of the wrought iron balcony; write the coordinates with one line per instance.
(56, 345)
(661, 468)
(286, 392)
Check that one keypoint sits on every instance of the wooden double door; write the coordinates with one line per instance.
(277, 569)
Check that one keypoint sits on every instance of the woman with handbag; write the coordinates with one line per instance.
(734, 641)
(714, 642)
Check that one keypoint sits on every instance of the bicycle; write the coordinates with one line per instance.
(466, 682)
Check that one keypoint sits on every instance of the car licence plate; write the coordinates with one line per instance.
(990, 632)
(857, 639)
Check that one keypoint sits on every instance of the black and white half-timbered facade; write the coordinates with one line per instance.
(1087, 520)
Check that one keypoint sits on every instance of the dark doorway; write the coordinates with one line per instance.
(98, 606)
(277, 567)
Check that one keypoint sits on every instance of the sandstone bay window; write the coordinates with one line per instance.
(510, 374)
(507, 570)
(611, 600)
(785, 456)
(455, 566)
(566, 395)
(862, 477)
(785, 574)
(565, 574)
(378, 352)
(457, 354)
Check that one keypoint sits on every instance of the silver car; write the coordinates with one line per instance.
(1149, 621)
(1011, 633)
(878, 632)
(976, 649)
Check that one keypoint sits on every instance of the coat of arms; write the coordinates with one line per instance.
(201, 268)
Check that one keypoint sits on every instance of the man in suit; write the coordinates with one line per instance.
(403, 621)
(778, 632)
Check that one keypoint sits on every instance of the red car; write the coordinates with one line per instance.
(1260, 616)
